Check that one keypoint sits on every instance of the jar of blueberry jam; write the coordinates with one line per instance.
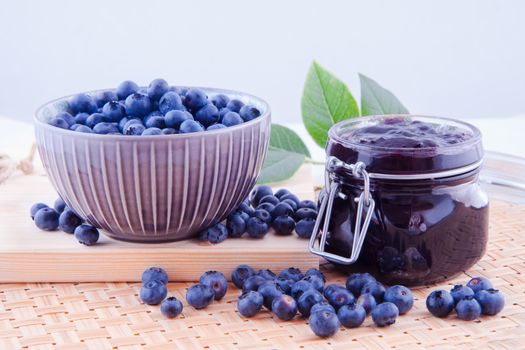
(402, 198)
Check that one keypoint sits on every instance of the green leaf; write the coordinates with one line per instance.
(286, 153)
(286, 139)
(376, 100)
(326, 100)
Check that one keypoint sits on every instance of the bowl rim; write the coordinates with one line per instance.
(265, 115)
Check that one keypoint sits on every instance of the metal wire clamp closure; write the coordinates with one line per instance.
(365, 207)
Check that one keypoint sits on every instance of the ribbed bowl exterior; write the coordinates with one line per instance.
(154, 188)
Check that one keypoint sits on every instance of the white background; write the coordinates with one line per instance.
(451, 58)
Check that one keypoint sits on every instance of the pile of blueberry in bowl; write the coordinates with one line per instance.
(157, 163)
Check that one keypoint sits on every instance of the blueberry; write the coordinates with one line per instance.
(440, 303)
(269, 291)
(103, 97)
(114, 110)
(133, 128)
(216, 281)
(330, 289)
(189, 126)
(157, 88)
(284, 307)
(256, 227)
(266, 206)
(153, 292)
(385, 314)
(491, 301)
(285, 284)
(305, 227)
(138, 105)
(282, 209)
(82, 103)
(151, 131)
(479, 283)
(171, 307)
(357, 281)
(234, 105)
(81, 118)
(292, 197)
(95, 119)
(74, 127)
(216, 126)
(154, 274)
(367, 301)
(253, 283)
(248, 113)
(68, 221)
(299, 288)
(324, 323)
(315, 281)
(207, 115)
(460, 291)
(267, 274)
(245, 207)
(215, 234)
(59, 205)
(401, 296)
(315, 272)
(168, 131)
(195, 99)
(305, 213)
(155, 122)
(174, 118)
(290, 203)
(220, 101)
(376, 289)
(199, 296)
(340, 297)
(231, 119)
(126, 88)
(241, 274)
(105, 128)
(468, 309)
(250, 303)
(263, 215)
(269, 199)
(223, 112)
(236, 225)
(283, 225)
(307, 204)
(281, 193)
(70, 120)
(84, 129)
(322, 306)
(36, 207)
(86, 234)
(308, 299)
(351, 315)
(292, 273)
(58, 123)
(258, 192)
(46, 219)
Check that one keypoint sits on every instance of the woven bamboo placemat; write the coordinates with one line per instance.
(110, 315)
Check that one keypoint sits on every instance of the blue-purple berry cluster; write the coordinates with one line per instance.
(283, 211)
(470, 301)
(154, 290)
(212, 286)
(159, 109)
(61, 217)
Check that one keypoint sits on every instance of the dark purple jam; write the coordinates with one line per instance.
(422, 231)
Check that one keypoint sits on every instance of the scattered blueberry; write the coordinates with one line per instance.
(291, 196)
(491, 301)
(263, 215)
(367, 301)
(299, 288)
(460, 291)
(46, 219)
(269, 199)
(253, 283)
(281, 193)
(199, 296)
(171, 307)
(340, 297)
(153, 292)
(215, 234)
(216, 281)
(68, 221)
(283, 225)
(236, 225)
(36, 207)
(385, 314)
(305, 227)
(324, 323)
(285, 284)
(305, 213)
(479, 283)
(258, 192)
(266, 206)
(307, 204)
(315, 272)
(357, 281)
(256, 228)
(291, 203)
(401, 296)
(330, 289)
(86, 234)
(241, 274)
(308, 299)
(440, 303)
(351, 315)
(282, 209)
(292, 273)
(250, 303)
(154, 274)
(284, 307)
(376, 289)
(322, 306)
(315, 281)
(269, 291)
(267, 274)
(468, 309)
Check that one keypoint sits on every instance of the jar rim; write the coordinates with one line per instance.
(334, 132)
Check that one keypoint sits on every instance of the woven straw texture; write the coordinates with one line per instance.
(110, 315)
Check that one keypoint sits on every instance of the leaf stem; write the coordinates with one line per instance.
(311, 161)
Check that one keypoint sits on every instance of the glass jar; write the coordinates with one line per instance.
(408, 209)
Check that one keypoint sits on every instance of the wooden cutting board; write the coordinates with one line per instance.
(30, 255)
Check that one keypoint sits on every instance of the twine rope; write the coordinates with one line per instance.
(8, 165)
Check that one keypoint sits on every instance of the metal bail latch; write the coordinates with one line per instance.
(365, 206)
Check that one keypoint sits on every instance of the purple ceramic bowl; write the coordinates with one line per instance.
(154, 188)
